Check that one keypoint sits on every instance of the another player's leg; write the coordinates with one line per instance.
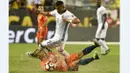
(104, 46)
(39, 50)
(36, 54)
(75, 59)
(100, 39)
(61, 50)
(87, 50)
(88, 60)
(38, 37)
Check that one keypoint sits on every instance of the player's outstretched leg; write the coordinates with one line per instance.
(96, 42)
(87, 50)
(104, 46)
(88, 60)
(34, 54)
(37, 53)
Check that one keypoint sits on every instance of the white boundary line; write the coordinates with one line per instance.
(83, 42)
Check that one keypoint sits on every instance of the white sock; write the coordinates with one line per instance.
(64, 53)
(106, 47)
(103, 51)
(103, 45)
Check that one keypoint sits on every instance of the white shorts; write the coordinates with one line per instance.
(101, 33)
(53, 43)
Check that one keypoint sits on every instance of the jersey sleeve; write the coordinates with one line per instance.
(53, 13)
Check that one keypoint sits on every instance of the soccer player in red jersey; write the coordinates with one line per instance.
(42, 25)
(71, 63)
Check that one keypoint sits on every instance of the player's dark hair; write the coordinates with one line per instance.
(58, 3)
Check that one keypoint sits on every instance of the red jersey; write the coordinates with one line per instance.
(42, 27)
(41, 20)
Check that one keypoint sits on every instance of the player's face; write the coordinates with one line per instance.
(60, 8)
(40, 8)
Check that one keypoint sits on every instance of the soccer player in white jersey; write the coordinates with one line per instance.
(63, 19)
(102, 28)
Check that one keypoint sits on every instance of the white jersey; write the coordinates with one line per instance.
(100, 11)
(61, 31)
(101, 33)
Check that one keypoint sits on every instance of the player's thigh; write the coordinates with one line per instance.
(98, 32)
(50, 43)
(104, 31)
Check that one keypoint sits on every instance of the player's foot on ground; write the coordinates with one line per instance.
(106, 52)
(96, 42)
(95, 56)
(30, 54)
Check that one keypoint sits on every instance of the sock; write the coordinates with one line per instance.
(103, 45)
(88, 49)
(102, 50)
(85, 61)
(106, 47)
(64, 53)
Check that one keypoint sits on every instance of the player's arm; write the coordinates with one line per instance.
(70, 18)
(104, 17)
(46, 13)
(51, 13)
(74, 21)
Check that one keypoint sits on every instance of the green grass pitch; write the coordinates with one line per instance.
(20, 63)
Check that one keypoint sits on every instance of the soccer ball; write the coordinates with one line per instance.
(49, 66)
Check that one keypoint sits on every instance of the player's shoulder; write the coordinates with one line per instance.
(102, 8)
(68, 12)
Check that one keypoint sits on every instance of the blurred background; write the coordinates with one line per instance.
(23, 19)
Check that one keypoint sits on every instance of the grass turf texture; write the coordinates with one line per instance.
(20, 63)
